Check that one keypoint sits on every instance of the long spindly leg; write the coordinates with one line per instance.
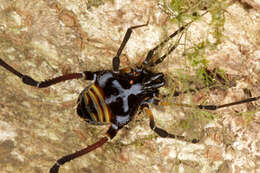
(215, 107)
(159, 60)
(150, 54)
(42, 84)
(116, 59)
(163, 133)
(109, 135)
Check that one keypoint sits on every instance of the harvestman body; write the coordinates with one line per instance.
(116, 95)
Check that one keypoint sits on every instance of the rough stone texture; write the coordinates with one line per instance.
(49, 38)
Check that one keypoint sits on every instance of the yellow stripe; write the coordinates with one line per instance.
(105, 107)
(96, 103)
(87, 103)
(86, 99)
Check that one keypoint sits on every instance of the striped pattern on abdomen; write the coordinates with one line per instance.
(94, 105)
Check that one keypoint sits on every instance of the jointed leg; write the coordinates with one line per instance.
(116, 60)
(159, 60)
(30, 81)
(64, 159)
(163, 133)
(215, 107)
(151, 52)
(110, 134)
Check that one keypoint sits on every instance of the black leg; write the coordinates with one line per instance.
(159, 60)
(109, 135)
(215, 107)
(150, 54)
(30, 81)
(163, 133)
(116, 60)
(64, 159)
